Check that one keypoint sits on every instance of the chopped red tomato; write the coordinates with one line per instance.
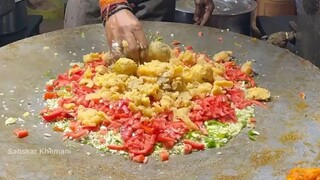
(258, 103)
(148, 130)
(237, 96)
(164, 155)
(63, 101)
(194, 145)
(91, 128)
(163, 138)
(168, 144)
(76, 74)
(187, 149)
(141, 144)
(52, 115)
(74, 125)
(214, 107)
(121, 115)
(234, 73)
(139, 158)
(96, 63)
(21, 133)
(102, 140)
(50, 95)
(49, 88)
(83, 90)
(117, 147)
(78, 134)
(114, 125)
(61, 81)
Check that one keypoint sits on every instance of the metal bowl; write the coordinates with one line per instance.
(234, 15)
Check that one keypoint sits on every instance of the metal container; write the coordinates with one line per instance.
(234, 15)
(308, 30)
(14, 21)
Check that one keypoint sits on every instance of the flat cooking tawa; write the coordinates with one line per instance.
(289, 129)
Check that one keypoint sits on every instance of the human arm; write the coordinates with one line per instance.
(124, 29)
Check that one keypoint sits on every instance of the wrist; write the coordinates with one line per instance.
(112, 9)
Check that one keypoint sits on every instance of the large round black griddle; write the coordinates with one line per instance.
(290, 128)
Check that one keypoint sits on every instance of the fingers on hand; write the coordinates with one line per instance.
(128, 42)
(207, 13)
(141, 38)
(197, 11)
(206, 18)
(142, 44)
(203, 11)
(133, 48)
(116, 47)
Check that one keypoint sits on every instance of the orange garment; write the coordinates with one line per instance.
(105, 3)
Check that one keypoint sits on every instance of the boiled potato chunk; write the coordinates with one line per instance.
(224, 83)
(218, 69)
(159, 51)
(166, 102)
(87, 82)
(125, 66)
(178, 84)
(69, 106)
(218, 77)
(201, 59)
(217, 90)
(258, 93)
(101, 69)
(199, 73)
(247, 68)
(188, 58)
(223, 56)
(88, 73)
(149, 89)
(154, 68)
(91, 117)
(91, 57)
(183, 114)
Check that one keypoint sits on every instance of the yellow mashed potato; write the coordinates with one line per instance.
(166, 84)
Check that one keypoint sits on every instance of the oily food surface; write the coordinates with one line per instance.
(178, 103)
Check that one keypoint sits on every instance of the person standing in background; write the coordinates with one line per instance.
(121, 19)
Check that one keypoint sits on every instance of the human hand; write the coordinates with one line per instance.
(125, 36)
(203, 11)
